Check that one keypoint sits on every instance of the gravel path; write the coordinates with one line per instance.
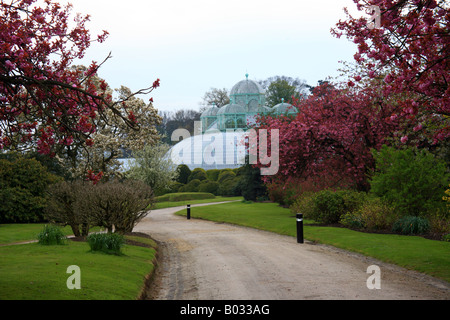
(203, 260)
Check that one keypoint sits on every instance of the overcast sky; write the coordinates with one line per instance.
(195, 45)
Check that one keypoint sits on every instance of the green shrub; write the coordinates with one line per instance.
(213, 174)
(329, 206)
(353, 200)
(229, 187)
(110, 243)
(175, 186)
(22, 190)
(352, 220)
(439, 222)
(192, 186)
(197, 174)
(183, 196)
(225, 174)
(377, 214)
(183, 173)
(209, 187)
(251, 184)
(303, 204)
(411, 180)
(410, 225)
(51, 235)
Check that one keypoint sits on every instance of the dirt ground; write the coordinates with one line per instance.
(203, 260)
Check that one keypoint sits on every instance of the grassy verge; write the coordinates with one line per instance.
(168, 204)
(33, 271)
(21, 232)
(412, 252)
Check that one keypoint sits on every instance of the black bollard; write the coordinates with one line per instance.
(299, 228)
(189, 211)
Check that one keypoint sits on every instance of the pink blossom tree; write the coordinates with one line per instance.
(332, 135)
(44, 103)
(409, 49)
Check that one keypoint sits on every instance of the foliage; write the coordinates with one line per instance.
(225, 174)
(411, 180)
(411, 225)
(51, 235)
(251, 184)
(112, 204)
(282, 87)
(118, 204)
(409, 51)
(199, 174)
(183, 173)
(184, 196)
(229, 185)
(45, 104)
(446, 198)
(209, 186)
(192, 186)
(110, 243)
(439, 222)
(62, 207)
(331, 136)
(112, 137)
(22, 185)
(373, 214)
(328, 206)
(151, 166)
(213, 174)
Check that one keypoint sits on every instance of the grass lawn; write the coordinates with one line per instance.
(412, 252)
(169, 204)
(20, 232)
(34, 271)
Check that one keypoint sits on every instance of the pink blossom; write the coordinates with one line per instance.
(10, 65)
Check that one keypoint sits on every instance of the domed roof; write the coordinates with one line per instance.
(231, 108)
(285, 108)
(196, 151)
(246, 87)
(210, 112)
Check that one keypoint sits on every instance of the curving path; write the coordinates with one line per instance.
(203, 260)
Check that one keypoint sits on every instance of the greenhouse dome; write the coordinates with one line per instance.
(218, 143)
(232, 116)
(211, 150)
(285, 108)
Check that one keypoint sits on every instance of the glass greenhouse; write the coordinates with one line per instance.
(220, 142)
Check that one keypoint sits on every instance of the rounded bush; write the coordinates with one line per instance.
(410, 225)
(192, 186)
(209, 186)
(225, 175)
(328, 206)
(198, 174)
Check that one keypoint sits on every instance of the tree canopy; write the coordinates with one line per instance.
(44, 103)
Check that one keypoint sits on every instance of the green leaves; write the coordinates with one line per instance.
(411, 180)
(110, 243)
(51, 235)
